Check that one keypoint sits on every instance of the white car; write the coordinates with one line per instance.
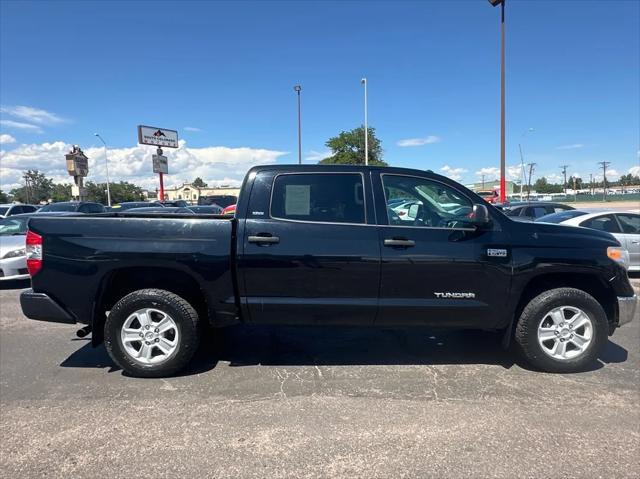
(624, 225)
(7, 210)
(13, 260)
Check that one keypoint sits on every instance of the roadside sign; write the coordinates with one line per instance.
(160, 164)
(151, 135)
(77, 162)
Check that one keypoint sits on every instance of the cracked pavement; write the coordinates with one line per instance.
(312, 402)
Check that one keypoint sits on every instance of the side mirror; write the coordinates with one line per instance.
(479, 215)
(413, 211)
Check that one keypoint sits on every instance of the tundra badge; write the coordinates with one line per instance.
(497, 252)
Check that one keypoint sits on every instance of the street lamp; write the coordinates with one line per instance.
(106, 162)
(298, 89)
(523, 174)
(366, 126)
(502, 128)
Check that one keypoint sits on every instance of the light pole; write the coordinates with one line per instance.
(502, 127)
(523, 173)
(298, 89)
(106, 163)
(366, 125)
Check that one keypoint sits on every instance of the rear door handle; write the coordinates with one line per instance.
(262, 238)
(404, 243)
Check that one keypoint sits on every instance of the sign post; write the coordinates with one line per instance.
(160, 137)
(78, 167)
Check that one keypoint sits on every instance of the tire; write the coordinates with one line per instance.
(151, 333)
(546, 323)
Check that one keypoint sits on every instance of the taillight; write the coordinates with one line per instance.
(34, 252)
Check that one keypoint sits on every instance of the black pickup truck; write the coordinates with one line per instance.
(329, 245)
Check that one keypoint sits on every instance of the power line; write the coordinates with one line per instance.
(532, 167)
(603, 166)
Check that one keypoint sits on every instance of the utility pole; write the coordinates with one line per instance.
(523, 173)
(564, 173)
(590, 183)
(482, 181)
(603, 165)
(297, 89)
(531, 169)
(366, 126)
(26, 185)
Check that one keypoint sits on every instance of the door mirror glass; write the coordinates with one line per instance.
(479, 215)
(413, 211)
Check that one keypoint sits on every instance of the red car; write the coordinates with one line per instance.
(490, 196)
(229, 210)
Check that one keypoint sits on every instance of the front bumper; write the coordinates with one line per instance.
(627, 308)
(41, 307)
(13, 268)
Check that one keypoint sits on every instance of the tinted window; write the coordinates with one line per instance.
(560, 208)
(603, 223)
(429, 203)
(59, 207)
(92, 208)
(561, 216)
(3, 210)
(16, 210)
(629, 223)
(537, 211)
(322, 197)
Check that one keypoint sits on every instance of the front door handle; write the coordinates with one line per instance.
(399, 242)
(262, 238)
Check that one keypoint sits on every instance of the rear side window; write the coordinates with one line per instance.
(560, 208)
(91, 208)
(603, 223)
(630, 223)
(319, 197)
(537, 211)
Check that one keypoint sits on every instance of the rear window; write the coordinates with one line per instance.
(323, 198)
(59, 207)
(602, 223)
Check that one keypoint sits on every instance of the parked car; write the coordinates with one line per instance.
(13, 260)
(311, 244)
(623, 225)
(220, 200)
(529, 211)
(164, 210)
(206, 210)
(229, 210)
(127, 205)
(174, 204)
(490, 196)
(11, 209)
(74, 207)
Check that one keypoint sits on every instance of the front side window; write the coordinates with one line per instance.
(319, 197)
(424, 203)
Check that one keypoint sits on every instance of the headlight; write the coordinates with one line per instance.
(619, 255)
(15, 253)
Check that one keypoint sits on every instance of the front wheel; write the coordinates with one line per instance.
(562, 330)
(151, 333)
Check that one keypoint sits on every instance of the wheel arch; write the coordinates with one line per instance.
(118, 283)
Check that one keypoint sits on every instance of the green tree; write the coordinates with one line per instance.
(348, 148)
(61, 192)
(575, 183)
(3, 197)
(543, 186)
(37, 188)
(198, 183)
(120, 192)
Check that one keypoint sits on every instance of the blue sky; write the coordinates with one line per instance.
(223, 74)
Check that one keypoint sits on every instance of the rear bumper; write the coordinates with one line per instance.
(41, 307)
(627, 309)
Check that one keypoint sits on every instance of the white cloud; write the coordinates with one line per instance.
(215, 164)
(612, 174)
(6, 139)
(574, 146)
(635, 170)
(192, 128)
(489, 172)
(419, 141)
(18, 125)
(31, 114)
(453, 173)
(316, 156)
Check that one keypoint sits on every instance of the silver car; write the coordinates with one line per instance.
(13, 260)
(624, 225)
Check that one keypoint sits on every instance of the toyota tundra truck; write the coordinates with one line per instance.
(322, 245)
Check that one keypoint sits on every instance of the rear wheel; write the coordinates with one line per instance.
(562, 330)
(151, 333)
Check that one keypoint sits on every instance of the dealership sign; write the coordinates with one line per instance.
(151, 135)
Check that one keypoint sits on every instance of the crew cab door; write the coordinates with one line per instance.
(437, 269)
(309, 249)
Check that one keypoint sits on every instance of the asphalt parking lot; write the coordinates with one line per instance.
(287, 402)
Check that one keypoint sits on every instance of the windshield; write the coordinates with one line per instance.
(560, 217)
(59, 207)
(13, 226)
(3, 210)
